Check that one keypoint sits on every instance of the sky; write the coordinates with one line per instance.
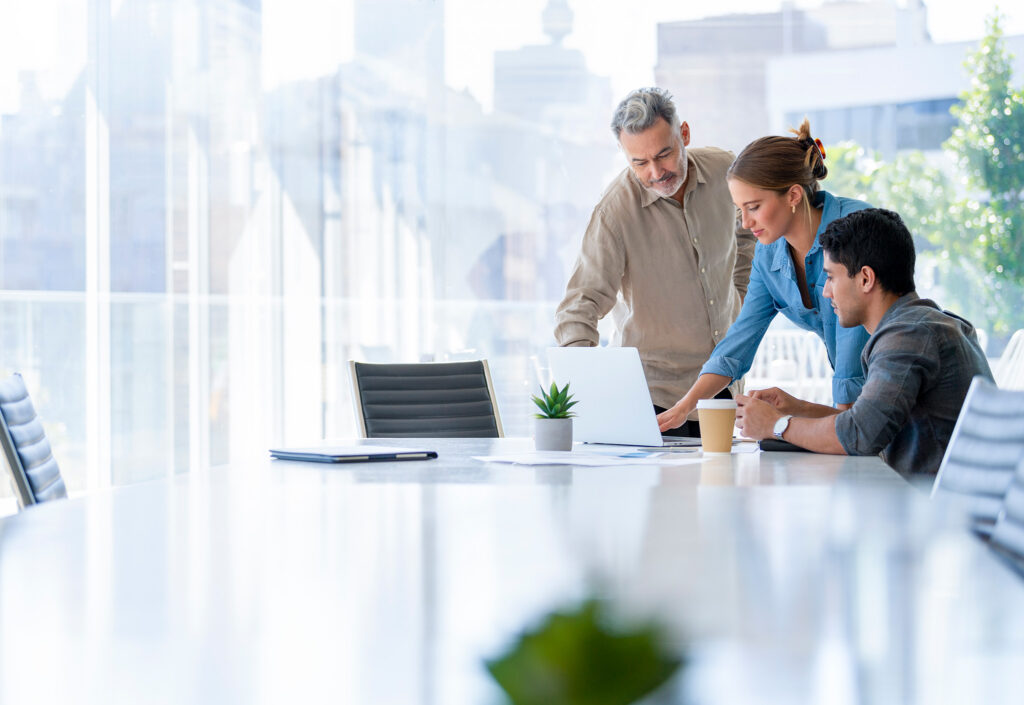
(307, 38)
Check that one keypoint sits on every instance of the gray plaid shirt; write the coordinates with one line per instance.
(918, 366)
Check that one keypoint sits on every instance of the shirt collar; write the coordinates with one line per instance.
(647, 197)
(780, 258)
(902, 301)
(829, 211)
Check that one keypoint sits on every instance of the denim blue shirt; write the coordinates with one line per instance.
(773, 289)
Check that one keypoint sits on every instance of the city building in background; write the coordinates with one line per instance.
(716, 68)
(861, 71)
(887, 99)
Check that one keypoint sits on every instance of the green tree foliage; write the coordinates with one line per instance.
(850, 168)
(988, 144)
(969, 224)
(909, 184)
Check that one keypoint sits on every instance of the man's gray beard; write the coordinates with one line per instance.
(680, 178)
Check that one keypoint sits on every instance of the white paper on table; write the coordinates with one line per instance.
(568, 457)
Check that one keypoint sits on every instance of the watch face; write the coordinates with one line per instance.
(781, 425)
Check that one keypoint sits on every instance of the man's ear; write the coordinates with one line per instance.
(684, 134)
(867, 280)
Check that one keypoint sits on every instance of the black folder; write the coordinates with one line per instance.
(770, 444)
(351, 454)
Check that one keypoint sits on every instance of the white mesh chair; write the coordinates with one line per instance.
(777, 360)
(983, 453)
(1009, 371)
(35, 475)
(1008, 533)
(982, 339)
(794, 360)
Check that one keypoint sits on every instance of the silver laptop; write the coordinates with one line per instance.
(614, 404)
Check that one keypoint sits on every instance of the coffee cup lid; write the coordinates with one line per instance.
(716, 403)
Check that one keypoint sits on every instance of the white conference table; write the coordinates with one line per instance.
(794, 578)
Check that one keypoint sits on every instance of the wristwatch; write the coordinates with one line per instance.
(781, 425)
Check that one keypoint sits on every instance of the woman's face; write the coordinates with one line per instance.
(768, 214)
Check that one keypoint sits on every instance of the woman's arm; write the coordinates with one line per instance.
(733, 355)
(706, 387)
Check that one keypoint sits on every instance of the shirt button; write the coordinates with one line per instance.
(701, 270)
(694, 241)
(711, 302)
(716, 333)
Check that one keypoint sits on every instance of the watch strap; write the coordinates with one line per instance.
(781, 425)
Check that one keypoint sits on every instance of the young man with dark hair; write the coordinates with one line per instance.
(918, 362)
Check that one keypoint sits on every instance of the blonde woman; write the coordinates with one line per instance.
(774, 184)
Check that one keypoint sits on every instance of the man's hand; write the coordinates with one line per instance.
(756, 418)
(782, 401)
(676, 416)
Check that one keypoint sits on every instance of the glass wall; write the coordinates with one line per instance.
(207, 207)
(191, 249)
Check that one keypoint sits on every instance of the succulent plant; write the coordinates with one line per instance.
(554, 403)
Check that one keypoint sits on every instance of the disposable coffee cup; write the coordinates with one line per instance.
(717, 420)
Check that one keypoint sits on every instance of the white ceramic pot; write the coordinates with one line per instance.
(552, 434)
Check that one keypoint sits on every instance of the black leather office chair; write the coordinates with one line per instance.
(36, 477)
(983, 452)
(432, 399)
(1008, 533)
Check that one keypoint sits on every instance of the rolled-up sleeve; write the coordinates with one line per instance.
(848, 377)
(898, 368)
(745, 244)
(593, 286)
(734, 354)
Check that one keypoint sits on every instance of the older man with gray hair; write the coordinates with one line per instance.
(665, 234)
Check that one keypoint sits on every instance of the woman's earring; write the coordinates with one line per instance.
(793, 209)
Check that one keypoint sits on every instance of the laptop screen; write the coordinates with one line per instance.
(609, 384)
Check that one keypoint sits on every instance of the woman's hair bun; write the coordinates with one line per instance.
(776, 162)
(803, 133)
(819, 171)
(814, 154)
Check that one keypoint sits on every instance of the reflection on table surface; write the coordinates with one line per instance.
(817, 579)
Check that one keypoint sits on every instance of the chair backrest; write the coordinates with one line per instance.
(982, 341)
(36, 475)
(1008, 533)
(1009, 371)
(983, 452)
(776, 345)
(431, 399)
(795, 360)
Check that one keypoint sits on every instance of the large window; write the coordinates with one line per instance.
(207, 207)
(193, 243)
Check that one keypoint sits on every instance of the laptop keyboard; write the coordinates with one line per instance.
(680, 441)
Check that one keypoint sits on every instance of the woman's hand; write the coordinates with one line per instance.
(676, 416)
(706, 387)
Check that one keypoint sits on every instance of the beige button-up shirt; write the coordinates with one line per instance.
(682, 271)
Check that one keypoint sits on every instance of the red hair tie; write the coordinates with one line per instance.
(821, 148)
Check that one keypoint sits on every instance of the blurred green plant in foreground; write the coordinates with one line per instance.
(586, 656)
